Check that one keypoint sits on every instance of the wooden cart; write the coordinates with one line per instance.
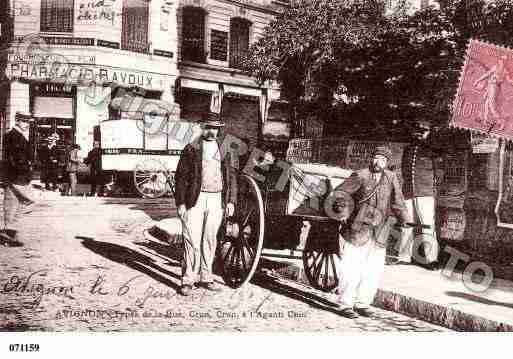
(142, 141)
(273, 214)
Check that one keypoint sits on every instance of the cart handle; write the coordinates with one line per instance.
(414, 225)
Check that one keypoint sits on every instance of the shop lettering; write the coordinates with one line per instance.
(77, 73)
(91, 11)
(22, 9)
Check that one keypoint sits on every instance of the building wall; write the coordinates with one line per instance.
(242, 98)
(101, 60)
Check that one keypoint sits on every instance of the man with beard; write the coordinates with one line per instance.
(204, 182)
(376, 194)
(18, 175)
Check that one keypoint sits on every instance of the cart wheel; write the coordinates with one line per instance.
(320, 269)
(241, 244)
(150, 178)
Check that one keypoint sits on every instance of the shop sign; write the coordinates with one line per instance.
(300, 150)
(163, 53)
(76, 73)
(453, 224)
(49, 89)
(482, 143)
(74, 41)
(46, 58)
(276, 129)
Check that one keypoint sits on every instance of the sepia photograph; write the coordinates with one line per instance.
(311, 166)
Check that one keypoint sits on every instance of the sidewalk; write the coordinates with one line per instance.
(435, 297)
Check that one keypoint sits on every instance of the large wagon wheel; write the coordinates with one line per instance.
(241, 244)
(321, 268)
(150, 178)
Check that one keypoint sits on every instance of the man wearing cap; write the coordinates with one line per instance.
(49, 158)
(204, 182)
(375, 194)
(17, 176)
(418, 168)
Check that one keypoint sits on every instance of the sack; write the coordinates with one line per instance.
(366, 224)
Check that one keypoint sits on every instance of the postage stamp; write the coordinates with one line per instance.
(486, 85)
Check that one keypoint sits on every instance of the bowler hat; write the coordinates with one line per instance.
(383, 151)
(212, 119)
(22, 116)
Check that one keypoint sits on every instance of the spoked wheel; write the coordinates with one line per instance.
(150, 178)
(320, 268)
(240, 249)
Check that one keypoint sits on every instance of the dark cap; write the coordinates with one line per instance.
(383, 151)
(212, 119)
(22, 116)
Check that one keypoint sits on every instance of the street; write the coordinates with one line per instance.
(86, 266)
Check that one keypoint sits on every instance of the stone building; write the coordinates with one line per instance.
(214, 37)
(65, 60)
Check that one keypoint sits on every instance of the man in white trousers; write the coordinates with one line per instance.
(375, 194)
(419, 165)
(204, 183)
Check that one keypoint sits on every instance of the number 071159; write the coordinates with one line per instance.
(23, 347)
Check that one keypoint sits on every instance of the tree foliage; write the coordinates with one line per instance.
(351, 58)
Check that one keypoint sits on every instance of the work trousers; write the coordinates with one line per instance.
(71, 187)
(422, 210)
(200, 237)
(14, 196)
(359, 273)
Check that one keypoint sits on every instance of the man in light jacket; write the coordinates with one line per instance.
(72, 169)
(205, 186)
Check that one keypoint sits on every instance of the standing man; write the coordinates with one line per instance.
(93, 159)
(204, 182)
(72, 169)
(17, 176)
(49, 162)
(375, 193)
(418, 168)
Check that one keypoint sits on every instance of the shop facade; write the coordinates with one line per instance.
(67, 71)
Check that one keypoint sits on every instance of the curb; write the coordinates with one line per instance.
(404, 304)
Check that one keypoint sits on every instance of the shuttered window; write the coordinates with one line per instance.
(193, 34)
(239, 41)
(135, 25)
(57, 15)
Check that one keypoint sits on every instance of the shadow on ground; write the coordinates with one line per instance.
(132, 259)
(156, 209)
(478, 299)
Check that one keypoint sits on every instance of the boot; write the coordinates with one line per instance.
(8, 238)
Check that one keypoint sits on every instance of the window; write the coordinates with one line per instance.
(57, 15)
(239, 41)
(5, 25)
(193, 34)
(135, 25)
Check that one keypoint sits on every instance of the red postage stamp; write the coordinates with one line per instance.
(484, 101)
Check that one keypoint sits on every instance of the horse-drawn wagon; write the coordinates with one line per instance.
(141, 143)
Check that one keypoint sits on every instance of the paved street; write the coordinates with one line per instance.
(86, 266)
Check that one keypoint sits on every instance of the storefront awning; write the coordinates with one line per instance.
(130, 103)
